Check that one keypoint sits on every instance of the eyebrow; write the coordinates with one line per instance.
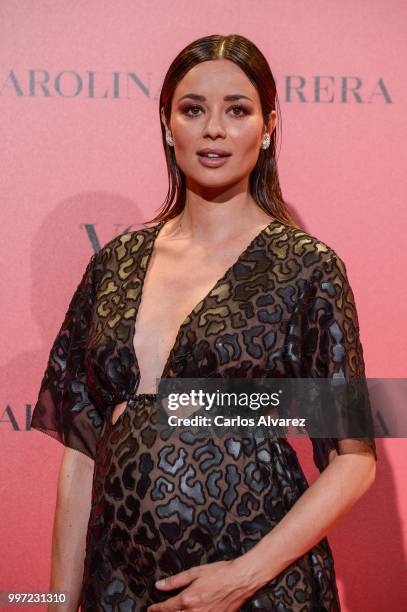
(231, 97)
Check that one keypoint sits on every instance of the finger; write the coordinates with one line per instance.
(170, 605)
(178, 580)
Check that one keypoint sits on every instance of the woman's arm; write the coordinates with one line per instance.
(70, 526)
(331, 495)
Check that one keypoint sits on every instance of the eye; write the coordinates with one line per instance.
(238, 107)
(188, 108)
(241, 108)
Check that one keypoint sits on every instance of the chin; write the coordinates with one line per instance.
(220, 182)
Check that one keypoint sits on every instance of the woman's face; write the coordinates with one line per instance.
(201, 118)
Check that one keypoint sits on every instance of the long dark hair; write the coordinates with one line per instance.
(263, 181)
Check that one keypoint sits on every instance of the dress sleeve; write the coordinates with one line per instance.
(331, 346)
(64, 408)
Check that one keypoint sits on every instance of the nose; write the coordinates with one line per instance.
(214, 126)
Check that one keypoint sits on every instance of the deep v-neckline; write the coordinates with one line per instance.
(150, 249)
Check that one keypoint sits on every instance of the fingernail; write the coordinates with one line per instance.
(160, 582)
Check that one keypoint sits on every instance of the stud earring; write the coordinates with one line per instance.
(168, 138)
(266, 142)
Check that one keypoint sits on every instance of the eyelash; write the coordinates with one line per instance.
(242, 108)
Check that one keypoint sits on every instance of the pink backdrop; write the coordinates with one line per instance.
(81, 161)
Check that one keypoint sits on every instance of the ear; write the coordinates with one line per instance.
(272, 121)
(163, 117)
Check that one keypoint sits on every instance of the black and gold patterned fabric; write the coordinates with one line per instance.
(283, 309)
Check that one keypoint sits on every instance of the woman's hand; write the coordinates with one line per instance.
(222, 586)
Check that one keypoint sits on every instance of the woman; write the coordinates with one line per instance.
(230, 526)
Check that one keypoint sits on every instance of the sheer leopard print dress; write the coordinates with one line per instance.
(283, 309)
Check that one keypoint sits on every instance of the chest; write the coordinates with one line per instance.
(173, 286)
(198, 315)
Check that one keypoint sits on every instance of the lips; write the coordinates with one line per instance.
(213, 153)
